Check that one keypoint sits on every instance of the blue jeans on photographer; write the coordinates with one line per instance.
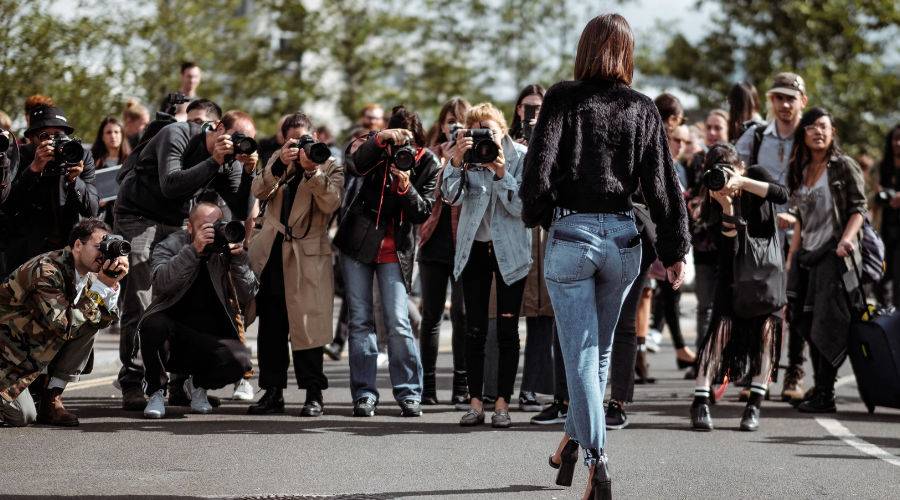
(404, 363)
(591, 262)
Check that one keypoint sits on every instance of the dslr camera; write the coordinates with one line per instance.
(403, 157)
(227, 232)
(113, 246)
(67, 151)
(4, 143)
(485, 150)
(317, 152)
(243, 145)
(716, 177)
(530, 112)
(173, 100)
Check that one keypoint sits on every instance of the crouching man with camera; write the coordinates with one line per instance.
(50, 309)
(301, 186)
(53, 187)
(201, 284)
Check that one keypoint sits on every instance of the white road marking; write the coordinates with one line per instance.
(839, 431)
(88, 384)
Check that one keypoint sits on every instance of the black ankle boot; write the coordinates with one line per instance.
(271, 402)
(701, 417)
(429, 389)
(567, 460)
(750, 419)
(822, 401)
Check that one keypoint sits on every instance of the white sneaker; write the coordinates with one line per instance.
(382, 359)
(652, 341)
(199, 402)
(243, 391)
(156, 406)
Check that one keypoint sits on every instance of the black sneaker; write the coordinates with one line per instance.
(555, 413)
(820, 402)
(616, 418)
(528, 402)
(410, 408)
(364, 407)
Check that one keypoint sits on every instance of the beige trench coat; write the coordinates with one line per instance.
(307, 262)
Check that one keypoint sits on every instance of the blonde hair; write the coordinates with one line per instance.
(134, 110)
(5, 122)
(485, 111)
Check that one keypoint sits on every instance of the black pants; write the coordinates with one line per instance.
(667, 310)
(537, 374)
(824, 373)
(476, 278)
(168, 345)
(434, 278)
(274, 352)
(624, 348)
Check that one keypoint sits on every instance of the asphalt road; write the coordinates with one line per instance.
(850, 454)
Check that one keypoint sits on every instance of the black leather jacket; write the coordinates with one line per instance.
(375, 206)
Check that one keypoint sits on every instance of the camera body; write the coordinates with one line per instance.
(113, 246)
(173, 100)
(242, 145)
(485, 150)
(716, 177)
(529, 112)
(317, 152)
(226, 232)
(886, 195)
(4, 143)
(67, 151)
(403, 157)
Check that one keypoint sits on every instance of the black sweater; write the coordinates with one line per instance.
(594, 145)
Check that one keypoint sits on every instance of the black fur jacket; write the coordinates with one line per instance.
(594, 145)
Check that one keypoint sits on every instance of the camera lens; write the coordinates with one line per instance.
(486, 151)
(405, 159)
(4, 143)
(232, 231)
(243, 145)
(317, 152)
(71, 152)
(715, 179)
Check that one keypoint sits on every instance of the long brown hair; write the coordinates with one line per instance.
(98, 149)
(458, 106)
(515, 129)
(606, 50)
(800, 154)
(743, 102)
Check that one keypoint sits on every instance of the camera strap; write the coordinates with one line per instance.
(463, 180)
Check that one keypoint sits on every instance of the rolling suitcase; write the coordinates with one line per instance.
(874, 350)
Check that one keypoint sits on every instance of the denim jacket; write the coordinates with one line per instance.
(510, 237)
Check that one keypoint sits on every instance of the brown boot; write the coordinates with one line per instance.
(792, 390)
(53, 412)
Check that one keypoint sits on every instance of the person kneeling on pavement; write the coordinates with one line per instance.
(50, 309)
(201, 285)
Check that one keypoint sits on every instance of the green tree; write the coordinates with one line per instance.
(838, 46)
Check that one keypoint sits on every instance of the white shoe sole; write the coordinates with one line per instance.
(549, 422)
(242, 396)
(154, 415)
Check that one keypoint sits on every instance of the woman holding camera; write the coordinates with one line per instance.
(491, 243)
(292, 256)
(596, 142)
(828, 191)
(436, 248)
(739, 344)
(397, 177)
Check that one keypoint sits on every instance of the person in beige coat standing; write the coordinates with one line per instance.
(292, 256)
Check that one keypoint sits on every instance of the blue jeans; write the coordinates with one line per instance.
(589, 266)
(404, 363)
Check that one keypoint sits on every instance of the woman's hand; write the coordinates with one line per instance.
(498, 166)
(845, 247)
(735, 180)
(395, 136)
(724, 198)
(463, 144)
(675, 274)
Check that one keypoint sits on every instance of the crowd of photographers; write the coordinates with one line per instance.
(206, 230)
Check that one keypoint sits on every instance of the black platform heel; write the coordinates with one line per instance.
(567, 460)
(601, 484)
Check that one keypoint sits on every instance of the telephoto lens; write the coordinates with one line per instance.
(317, 152)
(485, 150)
(113, 246)
(226, 232)
(715, 178)
(243, 145)
(404, 158)
(4, 143)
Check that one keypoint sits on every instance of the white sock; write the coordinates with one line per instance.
(57, 383)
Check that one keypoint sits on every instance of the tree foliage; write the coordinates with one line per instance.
(838, 46)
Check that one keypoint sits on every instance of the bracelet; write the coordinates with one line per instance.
(731, 233)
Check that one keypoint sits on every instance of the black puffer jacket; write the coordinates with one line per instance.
(594, 145)
(358, 235)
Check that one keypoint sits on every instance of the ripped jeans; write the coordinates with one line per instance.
(481, 269)
(591, 262)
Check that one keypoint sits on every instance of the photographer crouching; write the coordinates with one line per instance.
(301, 186)
(55, 188)
(398, 177)
(201, 284)
(50, 309)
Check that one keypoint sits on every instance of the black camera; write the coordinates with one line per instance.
(226, 232)
(485, 150)
(4, 143)
(243, 145)
(173, 100)
(66, 152)
(403, 157)
(716, 177)
(530, 112)
(113, 246)
(317, 152)
(886, 195)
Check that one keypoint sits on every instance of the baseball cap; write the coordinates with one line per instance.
(788, 83)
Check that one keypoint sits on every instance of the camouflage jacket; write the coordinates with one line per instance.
(37, 317)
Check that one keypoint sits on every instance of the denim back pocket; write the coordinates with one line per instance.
(631, 260)
(566, 256)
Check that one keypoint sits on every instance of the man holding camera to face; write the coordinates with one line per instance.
(180, 161)
(52, 189)
(202, 283)
(50, 309)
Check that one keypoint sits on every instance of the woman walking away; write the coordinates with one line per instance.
(744, 334)
(828, 189)
(595, 143)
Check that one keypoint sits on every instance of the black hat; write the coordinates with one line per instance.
(48, 116)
